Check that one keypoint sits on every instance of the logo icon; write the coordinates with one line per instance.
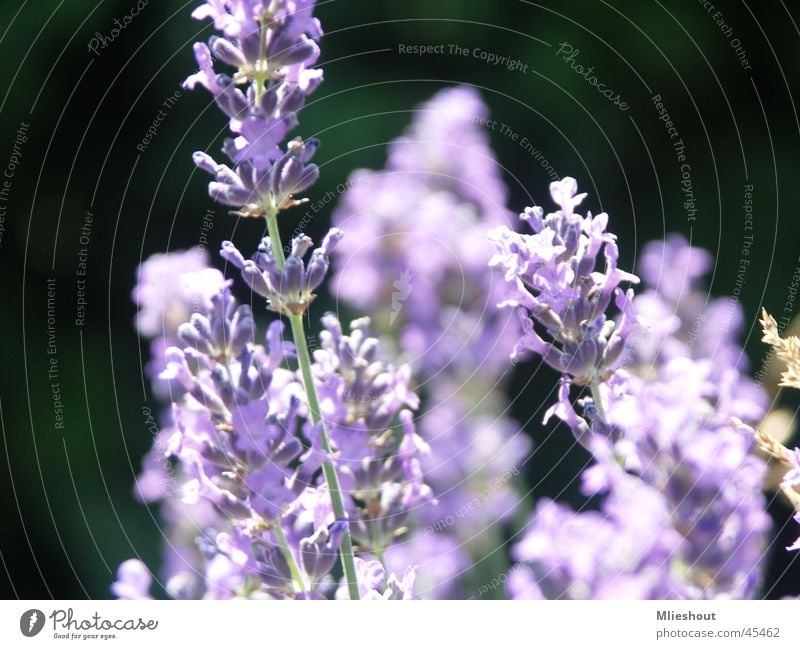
(31, 622)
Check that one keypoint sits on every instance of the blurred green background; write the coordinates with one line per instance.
(69, 514)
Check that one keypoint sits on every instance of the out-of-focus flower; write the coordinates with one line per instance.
(374, 584)
(170, 287)
(415, 259)
(133, 580)
(622, 552)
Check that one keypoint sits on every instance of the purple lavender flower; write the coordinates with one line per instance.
(699, 472)
(133, 581)
(289, 289)
(440, 561)
(682, 441)
(273, 47)
(375, 584)
(682, 319)
(237, 433)
(395, 223)
(415, 259)
(667, 419)
(444, 149)
(361, 397)
(169, 287)
(248, 435)
(792, 477)
(552, 278)
(622, 552)
(407, 218)
(245, 445)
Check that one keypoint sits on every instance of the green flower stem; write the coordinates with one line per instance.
(304, 361)
(598, 402)
(259, 77)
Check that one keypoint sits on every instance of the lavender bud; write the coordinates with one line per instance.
(205, 162)
(226, 51)
(228, 194)
(274, 570)
(268, 102)
(292, 280)
(193, 338)
(242, 329)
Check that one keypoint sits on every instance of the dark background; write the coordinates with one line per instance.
(68, 513)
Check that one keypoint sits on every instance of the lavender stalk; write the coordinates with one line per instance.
(273, 45)
(304, 361)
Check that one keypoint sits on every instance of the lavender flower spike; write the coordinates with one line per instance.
(289, 288)
(272, 46)
(250, 439)
(552, 279)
